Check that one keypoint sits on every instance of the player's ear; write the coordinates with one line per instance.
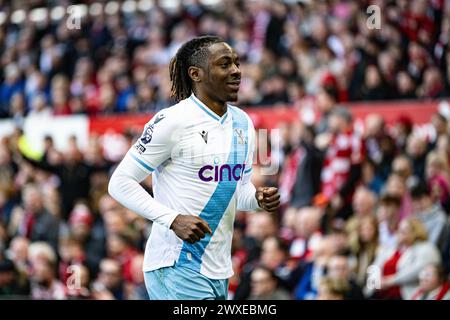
(195, 73)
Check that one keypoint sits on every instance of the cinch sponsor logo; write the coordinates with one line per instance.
(223, 172)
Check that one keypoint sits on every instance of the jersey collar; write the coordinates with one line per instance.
(208, 111)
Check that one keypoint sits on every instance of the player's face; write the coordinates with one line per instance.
(223, 76)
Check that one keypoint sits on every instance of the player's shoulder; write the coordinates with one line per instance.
(241, 114)
(169, 117)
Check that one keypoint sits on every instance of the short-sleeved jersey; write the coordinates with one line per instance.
(198, 161)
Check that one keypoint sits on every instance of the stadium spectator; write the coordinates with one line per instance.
(338, 268)
(430, 213)
(374, 86)
(341, 169)
(403, 167)
(260, 226)
(6, 203)
(307, 274)
(18, 253)
(91, 235)
(440, 123)
(363, 205)
(396, 187)
(265, 286)
(44, 281)
(443, 146)
(44, 284)
(109, 284)
(332, 289)
(437, 178)
(405, 86)
(401, 131)
(400, 264)
(17, 108)
(33, 221)
(8, 173)
(378, 144)
(71, 253)
(120, 248)
(274, 257)
(136, 289)
(12, 84)
(306, 177)
(416, 148)
(363, 247)
(307, 227)
(12, 285)
(433, 84)
(433, 284)
(388, 219)
(241, 253)
(369, 177)
(327, 98)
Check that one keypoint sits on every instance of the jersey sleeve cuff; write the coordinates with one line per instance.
(255, 205)
(170, 218)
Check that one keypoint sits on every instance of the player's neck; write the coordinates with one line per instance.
(219, 108)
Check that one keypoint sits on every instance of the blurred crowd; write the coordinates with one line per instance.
(365, 215)
(117, 62)
(61, 234)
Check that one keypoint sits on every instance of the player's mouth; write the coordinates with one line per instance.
(234, 85)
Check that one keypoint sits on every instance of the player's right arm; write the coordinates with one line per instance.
(151, 150)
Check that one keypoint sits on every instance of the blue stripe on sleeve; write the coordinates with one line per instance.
(142, 163)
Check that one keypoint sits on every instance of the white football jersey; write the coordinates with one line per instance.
(200, 163)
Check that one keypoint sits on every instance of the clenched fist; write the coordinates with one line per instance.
(190, 228)
(268, 198)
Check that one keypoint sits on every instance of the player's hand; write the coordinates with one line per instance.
(268, 198)
(190, 228)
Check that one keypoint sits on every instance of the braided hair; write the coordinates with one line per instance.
(192, 53)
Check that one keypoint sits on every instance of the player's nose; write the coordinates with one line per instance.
(236, 72)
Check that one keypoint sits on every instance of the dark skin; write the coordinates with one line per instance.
(215, 84)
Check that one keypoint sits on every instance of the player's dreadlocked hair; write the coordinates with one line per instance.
(192, 53)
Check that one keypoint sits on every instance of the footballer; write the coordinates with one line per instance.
(199, 153)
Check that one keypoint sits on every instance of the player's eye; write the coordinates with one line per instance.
(225, 65)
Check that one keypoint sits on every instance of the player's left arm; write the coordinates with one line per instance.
(248, 197)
